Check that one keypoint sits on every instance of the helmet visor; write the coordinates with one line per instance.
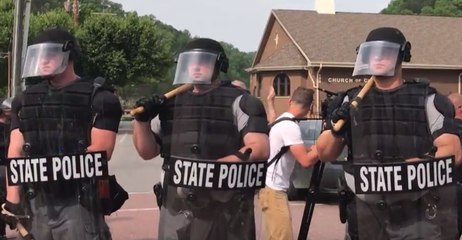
(377, 58)
(45, 59)
(195, 67)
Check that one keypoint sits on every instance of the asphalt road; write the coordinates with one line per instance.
(138, 218)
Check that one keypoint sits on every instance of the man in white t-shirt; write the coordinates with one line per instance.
(285, 136)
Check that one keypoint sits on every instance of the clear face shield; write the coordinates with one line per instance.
(377, 58)
(195, 67)
(45, 59)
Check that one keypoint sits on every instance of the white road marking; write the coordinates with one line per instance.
(123, 138)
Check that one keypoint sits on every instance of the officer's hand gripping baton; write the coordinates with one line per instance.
(168, 95)
(339, 124)
(21, 229)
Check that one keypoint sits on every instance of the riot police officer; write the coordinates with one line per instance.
(215, 120)
(63, 115)
(5, 113)
(398, 127)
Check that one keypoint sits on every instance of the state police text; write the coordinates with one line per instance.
(57, 168)
(218, 175)
(405, 177)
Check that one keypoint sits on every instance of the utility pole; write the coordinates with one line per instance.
(75, 12)
(17, 47)
(9, 91)
(20, 34)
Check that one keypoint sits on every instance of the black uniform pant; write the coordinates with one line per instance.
(186, 219)
(2, 198)
(402, 220)
(54, 219)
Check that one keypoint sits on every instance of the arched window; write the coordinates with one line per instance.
(258, 86)
(281, 84)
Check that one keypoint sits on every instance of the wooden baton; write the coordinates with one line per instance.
(354, 103)
(167, 95)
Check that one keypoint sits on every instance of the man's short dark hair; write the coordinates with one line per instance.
(303, 96)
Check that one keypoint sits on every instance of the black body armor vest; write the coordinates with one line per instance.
(392, 125)
(57, 121)
(201, 126)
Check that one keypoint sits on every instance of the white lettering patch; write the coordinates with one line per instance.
(218, 175)
(404, 177)
(57, 168)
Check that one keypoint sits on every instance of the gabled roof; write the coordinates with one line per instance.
(331, 39)
(287, 56)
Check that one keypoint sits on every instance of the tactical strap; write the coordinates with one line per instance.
(283, 149)
(278, 156)
(97, 84)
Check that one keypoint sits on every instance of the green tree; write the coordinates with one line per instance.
(49, 19)
(6, 36)
(85, 6)
(425, 7)
(407, 7)
(128, 49)
(46, 5)
(444, 8)
(238, 62)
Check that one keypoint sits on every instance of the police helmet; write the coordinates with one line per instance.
(393, 35)
(200, 62)
(49, 53)
(212, 46)
(382, 53)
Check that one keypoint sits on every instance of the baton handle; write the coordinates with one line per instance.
(23, 231)
(339, 124)
(167, 95)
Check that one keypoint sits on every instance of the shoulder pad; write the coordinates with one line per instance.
(226, 84)
(100, 83)
(422, 82)
(252, 106)
(338, 100)
(418, 80)
(444, 106)
(432, 90)
(352, 92)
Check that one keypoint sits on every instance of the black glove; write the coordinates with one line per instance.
(152, 106)
(14, 209)
(341, 113)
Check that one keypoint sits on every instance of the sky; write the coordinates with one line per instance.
(238, 22)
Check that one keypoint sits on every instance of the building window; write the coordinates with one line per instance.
(281, 85)
(257, 87)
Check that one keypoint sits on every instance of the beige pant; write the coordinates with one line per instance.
(276, 214)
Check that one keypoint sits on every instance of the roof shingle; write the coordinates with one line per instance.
(288, 55)
(334, 37)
